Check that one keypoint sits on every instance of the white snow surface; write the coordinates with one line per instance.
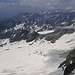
(40, 58)
(46, 32)
(67, 27)
(20, 26)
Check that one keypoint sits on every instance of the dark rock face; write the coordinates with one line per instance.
(7, 24)
(23, 34)
(32, 36)
(69, 63)
(19, 35)
(69, 68)
(56, 34)
(5, 35)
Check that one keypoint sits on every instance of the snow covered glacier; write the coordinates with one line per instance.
(40, 58)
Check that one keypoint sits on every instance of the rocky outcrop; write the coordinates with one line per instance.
(32, 36)
(69, 63)
(56, 34)
(19, 35)
(23, 34)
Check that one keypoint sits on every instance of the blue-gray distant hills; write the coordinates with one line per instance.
(50, 18)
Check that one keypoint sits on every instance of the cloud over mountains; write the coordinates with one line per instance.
(15, 6)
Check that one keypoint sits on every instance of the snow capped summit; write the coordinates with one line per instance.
(20, 26)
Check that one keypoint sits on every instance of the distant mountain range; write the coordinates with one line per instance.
(27, 25)
(46, 19)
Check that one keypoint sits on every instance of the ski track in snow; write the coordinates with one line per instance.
(20, 58)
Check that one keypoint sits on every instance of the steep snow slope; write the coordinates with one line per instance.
(40, 58)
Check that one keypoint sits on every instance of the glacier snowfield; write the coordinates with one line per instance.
(40, 58)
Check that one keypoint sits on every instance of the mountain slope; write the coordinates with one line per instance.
(48, 20)
(40, 58)
(37, 43)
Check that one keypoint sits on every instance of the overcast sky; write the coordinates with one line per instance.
(12, 7)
